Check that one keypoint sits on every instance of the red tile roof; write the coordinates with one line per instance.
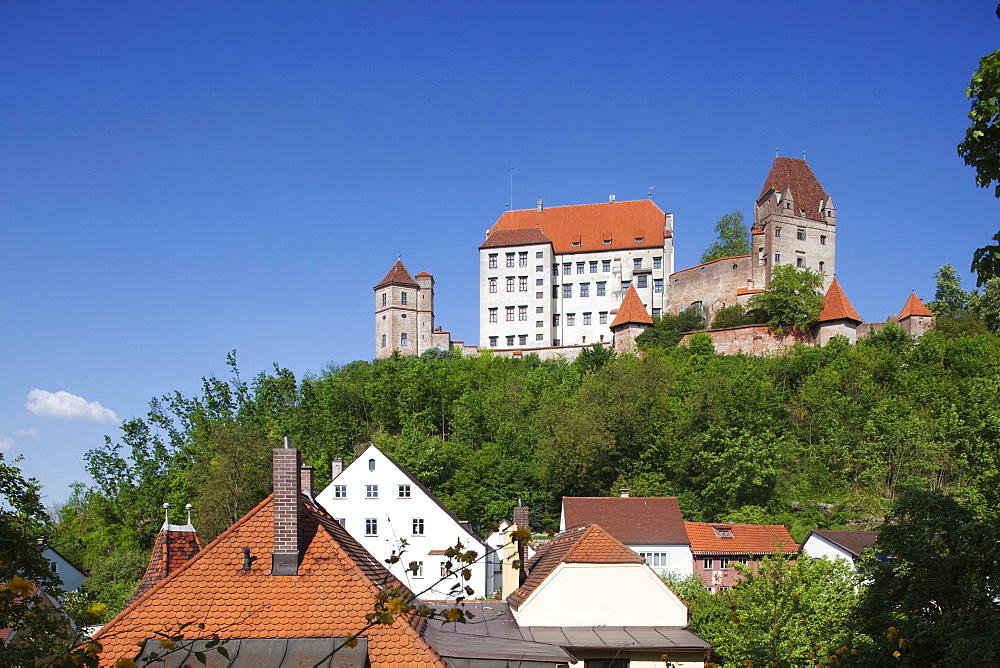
(855, 542)
(423, 274)
(634, 520)
(795, 175)
(520, 237)
(914, 307)
(397, 275)
(582, 545)
(836, 305)
(334, 590)
(588, 225)
(173, 547)
(746, 538)
(631, 310)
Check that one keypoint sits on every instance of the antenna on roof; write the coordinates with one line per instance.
(649, 193)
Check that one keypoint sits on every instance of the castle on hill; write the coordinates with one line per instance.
(553, 280)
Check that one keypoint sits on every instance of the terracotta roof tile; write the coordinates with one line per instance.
(914, 306)
(173, 547)
(589, 225)
(581, 545)
(836, 305)
(745, 538)
(795, 175)
(634, 520)
(855, 542)
(397, 275)
(515, 237)
(334, 590)
(631, 310)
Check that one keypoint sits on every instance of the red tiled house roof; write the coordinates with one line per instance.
(588, 226)
(173, 547)
(836, 305)
(634, 520)
(397, 275)
(710, 538)
(631, 310)
(581, 545)
(334, 589)
(795, 175)
(914, 306)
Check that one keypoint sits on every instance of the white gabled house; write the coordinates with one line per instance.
(832, 544)
(380, 503)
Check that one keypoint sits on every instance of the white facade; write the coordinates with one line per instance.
(70, 575)
(817, 547)
(667, 558)
(380, 504)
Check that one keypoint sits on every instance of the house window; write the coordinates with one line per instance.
(567, 268)
(539, 337)
(657, 263)
(556, 342)
(567, 291)
(403, 491)
(800, 234)
(822, 240)
(371, 491)
(777, 258)
(340, 491)
(800, 262)
(539, 254)
(539, 268)
(707, 563)
(580, 267)
(709, 589)
(510, 314)
(493, 285)
(522, 313)
(555, 270)
(539, 295)
(602, 317)
(510, 284)
(743, 560)
(586, 318)
(570, 319)
(493, 260)
(601, 288)
(555, 319)
(585, 289)
(444, 569)
(657, 312)
(493, 341)
(510, 259)
(522, 339)
(625, 285)
(723, 588)
(419, 572)
(655, 559)
(493, 314)
(539, 323)
(522, 259)
(383, 340)
(342, 521)
(723, 563)
(371, 526)
(539, 309)
(522, 284)
(642, 280)
(510, 340)
(637, 264)
(371, 464)
(402, 339)
(418, 526)
(777, 232)
(593, 266)
(555, 291)
(657, 285)
(605, 265)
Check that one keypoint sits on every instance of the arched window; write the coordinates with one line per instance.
(371, 464)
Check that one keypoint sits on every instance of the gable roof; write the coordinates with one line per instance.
(746, 538)
(582, 545)
(587, 225)
(836, 305)
(174, 545)
(631, 310)
(914, 306)
(335, 588)
(398, 276)
(795, 175)
(855, 542)
(517, 237)
(634, 520)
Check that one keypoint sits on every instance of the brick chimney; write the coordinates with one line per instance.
(521, 515)
(306, 479)
(287, 511)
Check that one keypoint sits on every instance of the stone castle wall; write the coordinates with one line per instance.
(751, 340)
(720, 282)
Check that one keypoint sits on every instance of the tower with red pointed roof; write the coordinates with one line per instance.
(838, 317)
(631, 320)
(916, 319)
(404, 314)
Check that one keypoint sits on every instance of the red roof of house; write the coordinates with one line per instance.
(584, 228)
(582, 545)
(836, 305)
(795, 175)
(707, 538)
(397, 275)
(631, 310)
(173, 547)
(914, 307)
(634, 520)
(335, 588)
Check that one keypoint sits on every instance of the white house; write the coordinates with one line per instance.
(380, 504)
(847, 545)
(651, 526)
(71, 576)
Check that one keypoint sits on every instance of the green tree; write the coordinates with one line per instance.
(734, 238)
(949, 297)
(988, 305)
(668, 330)
(793, 299)
(733, 315)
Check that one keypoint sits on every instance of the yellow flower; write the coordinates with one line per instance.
(124, 663)
(396, 606)
(896, 654)
(20, 586)
(168, 644)
(453, 615)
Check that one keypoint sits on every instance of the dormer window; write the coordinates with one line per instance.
(723, 531)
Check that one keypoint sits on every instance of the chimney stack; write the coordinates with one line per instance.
(539, 205)
(623, 492)
(521, 515)
(337, 467)
(306, 479)
(287, 511)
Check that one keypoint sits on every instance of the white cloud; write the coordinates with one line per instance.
(6, 443)
(30, 431)
(62, 404)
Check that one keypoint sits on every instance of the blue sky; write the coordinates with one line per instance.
(181, 179)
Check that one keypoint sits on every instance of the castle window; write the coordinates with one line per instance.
(493, 260)
(567, 291)
(493, 285)
(821, 265)
(555, 270)
(556, 342)
(601, 288)
(522, 340)
(402, 339)
(522, 313)
(383, 299)
(510, 284)
(656, 312)
(555, 291)
(657, 263)
(638, 240)
(539, 309)
(642, 280)
(636, 264)
(539, 281)
(800, 234)
(403, 316)
(510, 259)
(539, 337)
(777, 232)
(570, 319)
(777, 258)
(539, 295)
(383, 340)
(800, 262)
(510, 314)
(585, 289)
(522, 284)
(555, 319)
(522, 259)
(586, 318)
(625, 285)
(822, 240)
(658, 285)
(567, 268)
(579, 267)
(593, 266)
(510, 340)
(402, 297)
(539, 268)
(539, 254)
(576, 244)
(539, 323)
(603, 317)
(735, 266)
(493, 342)
(605, 265)
(493, 314)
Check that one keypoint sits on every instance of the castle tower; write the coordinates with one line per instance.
(397, 312)
(631, 321)
(794, 223)
(838, 317)
(916, 319)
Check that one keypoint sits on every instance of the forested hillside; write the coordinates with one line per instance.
(816, 438)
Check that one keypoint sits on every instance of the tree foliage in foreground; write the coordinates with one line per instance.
(734, 238)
